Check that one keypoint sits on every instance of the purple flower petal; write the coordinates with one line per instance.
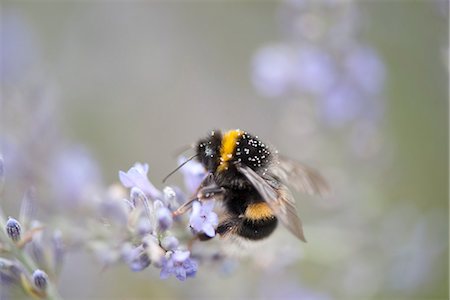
(202, 218)
(272, 70)
(180, 256)
(180, 273)
(165, 218)
(125, 179)
(165, 272)
(195, 220)
(315, 72)
(191, 267)
(180, 265)
(366, 68)
(193, 173)
(208, 229)
(137, 177)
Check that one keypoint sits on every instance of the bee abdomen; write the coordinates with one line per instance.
(256, 229)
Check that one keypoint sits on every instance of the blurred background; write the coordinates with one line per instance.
(356, 89)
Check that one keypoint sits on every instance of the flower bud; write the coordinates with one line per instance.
(13, 229)
(40, 279)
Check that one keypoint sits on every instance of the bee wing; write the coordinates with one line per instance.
(301, 177)
(278, 198)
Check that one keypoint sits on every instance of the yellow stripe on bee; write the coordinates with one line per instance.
(258, 211)
(227, 147)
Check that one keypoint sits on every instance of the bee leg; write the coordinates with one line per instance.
(209, 192)
(184, 207)
(205, 193)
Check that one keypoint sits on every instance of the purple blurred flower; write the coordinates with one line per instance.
(136, 258)
(74, 174)
(11, 272)
(365, 67)
(193, 173)
(202, 218)
(180, 265)
(137, 177)
(341, 105)
(314, 71)
(272, 70)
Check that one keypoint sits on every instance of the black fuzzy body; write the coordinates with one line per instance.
(239, 192)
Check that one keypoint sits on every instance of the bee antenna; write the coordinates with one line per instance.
(179, 167)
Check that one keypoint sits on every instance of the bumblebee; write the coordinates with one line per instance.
(248, 177)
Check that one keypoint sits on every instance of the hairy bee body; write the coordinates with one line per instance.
(247, 176)
(248, 215)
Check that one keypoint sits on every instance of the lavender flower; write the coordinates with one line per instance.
(365, 67)
(10, 271)
(179, 264)
(136, 258)
(40, 279)
(193, 172)
(138, 199)
(341, 105)
(169, 243)
(315, 71)
(74, 174)
(273, 70)
(13, 229)
(164, 217)
(170, 197)
(203, 219)
(137, 177)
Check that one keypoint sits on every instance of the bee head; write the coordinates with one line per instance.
(208, 150)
